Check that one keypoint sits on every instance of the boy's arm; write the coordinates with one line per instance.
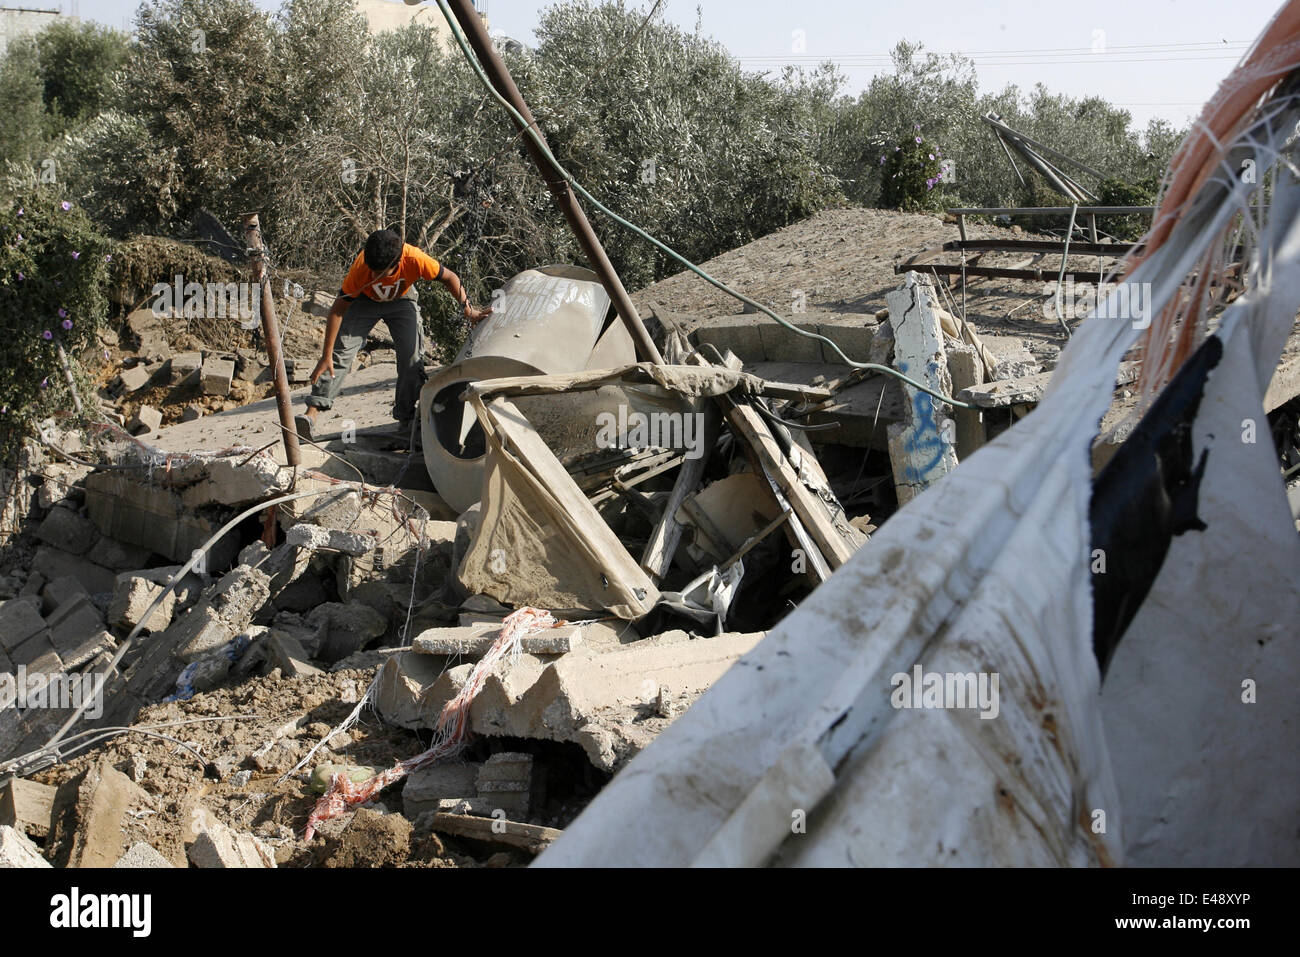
(457, 290)
(332, 323)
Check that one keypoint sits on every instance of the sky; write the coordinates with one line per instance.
(1155, 58)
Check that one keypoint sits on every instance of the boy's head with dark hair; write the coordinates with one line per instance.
(383, 250)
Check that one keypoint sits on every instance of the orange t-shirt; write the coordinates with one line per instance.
(415, 264)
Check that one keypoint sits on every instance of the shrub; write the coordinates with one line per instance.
(53, 264)
(911, 173)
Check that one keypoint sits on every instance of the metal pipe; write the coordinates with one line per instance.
(271, 332)
(499, 74)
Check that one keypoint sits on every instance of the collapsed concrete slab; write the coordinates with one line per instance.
(585, 699)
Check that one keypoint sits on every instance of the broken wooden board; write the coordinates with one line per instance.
(530, 837)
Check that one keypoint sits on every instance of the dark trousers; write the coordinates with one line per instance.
(402, 316)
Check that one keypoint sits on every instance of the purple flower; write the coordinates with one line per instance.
(76, 254)
(897, 148)
(108, 258)
(66, 205)
(882, 159)
(47, 335)
(918, 139)
(21, 277)
(931, 156)
(67, 323)
(917, 127)
(63, 313)
(20, 212)
(20, 237)
(44, 383)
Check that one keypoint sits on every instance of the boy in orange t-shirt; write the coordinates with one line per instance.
(380, 286)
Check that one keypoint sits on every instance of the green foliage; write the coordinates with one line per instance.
(22, 120)
(911, 173)
(53, 263)
(77, 63)
(1116, 192)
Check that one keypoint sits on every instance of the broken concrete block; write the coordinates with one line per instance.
(37, 655)
(217, 846)
(315, 537)
(20, 619)
(853, 334)
(215, 621)
(143, 856)
(425, 788)
(73, 623)
(146, 420)
(217, 375)
(134, 379)
(228, 482)
(339, 509)
(27, 806)
(53, 563)
(132, 598)
(151, 517)
(186, 367)
(17, 851)
(86, 828)
(343, 629)
(475, 640)
(788, 346)
(61, 591)
(151, 335)
(190, 413)
(87, 649)
(285, 652)
(63, 528)
(116, 555)
(506, 778)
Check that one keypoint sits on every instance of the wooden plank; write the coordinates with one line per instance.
(831, 533)
(667, 534)
(530, 837)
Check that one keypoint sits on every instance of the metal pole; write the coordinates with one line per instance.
(271, 332)
(499, 74)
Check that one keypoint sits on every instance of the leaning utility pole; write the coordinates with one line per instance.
(271, 332)
(497, 72)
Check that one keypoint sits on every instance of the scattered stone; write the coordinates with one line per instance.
(186, 368)
(65, 529)
(135, 379)
(217, 375)
(16, 850)
(132, 598)
(27, 806)
(87, 817)
(424, 789)
(142, 855)
(285, 652)
(190, 413)
(147, 419)
(344, 629)
(217, 846)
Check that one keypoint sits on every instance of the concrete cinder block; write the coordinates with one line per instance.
(134, 379)
(146, 420)
(72, 624)
(87, 649)
(53, 563)
(185, 368)
(743, 335)
(506, 779)
(20, 619)
(87, 817)
(217, 375)
(116, 555)
(61, 591)
(131, 600)
(37, 655)
(27, 806)
(16, 850)
(151, 517)
(286, 652)
(217, 846)
(424, 789)
(63, 528)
